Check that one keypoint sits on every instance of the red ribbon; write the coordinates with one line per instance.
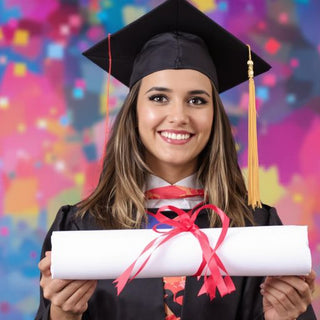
(173, 192)
(108, 86)
(185, 222)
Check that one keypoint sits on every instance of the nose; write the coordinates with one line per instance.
(178, 113)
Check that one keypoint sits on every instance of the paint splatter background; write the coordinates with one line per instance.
(52, 115)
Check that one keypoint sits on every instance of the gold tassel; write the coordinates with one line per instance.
(253, 159)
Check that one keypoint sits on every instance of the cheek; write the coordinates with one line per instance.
(205, 122)
(146, 122)
(148, 117)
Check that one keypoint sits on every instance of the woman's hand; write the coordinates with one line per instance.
(69, 298)
(285, 298)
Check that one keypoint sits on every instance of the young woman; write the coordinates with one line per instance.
(171, 130)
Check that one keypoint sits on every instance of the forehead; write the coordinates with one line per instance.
(186, 79)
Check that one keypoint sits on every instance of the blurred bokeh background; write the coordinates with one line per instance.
(52, 117)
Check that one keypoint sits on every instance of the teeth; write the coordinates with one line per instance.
(175, 136)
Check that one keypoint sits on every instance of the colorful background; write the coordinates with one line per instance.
(52, 117)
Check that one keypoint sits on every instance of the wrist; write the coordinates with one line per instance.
(56, 313)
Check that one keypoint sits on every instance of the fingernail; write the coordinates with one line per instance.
(262, 291)
(262, 285)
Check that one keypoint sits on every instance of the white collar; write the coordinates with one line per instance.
(156, 182)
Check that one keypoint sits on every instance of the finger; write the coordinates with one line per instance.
(88, 290)
(288, 296)
(53, 287)
(64, 290)
(77, 302)
(310, 279)
(286, 288)
(276, 292)
(300, 286)
(273, 302)
(44, 265)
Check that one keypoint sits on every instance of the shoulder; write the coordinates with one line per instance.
(69, 218)
(266, 215)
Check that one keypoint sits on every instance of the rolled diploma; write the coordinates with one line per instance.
(250, 251)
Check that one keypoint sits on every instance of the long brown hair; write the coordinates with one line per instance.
(118, 200)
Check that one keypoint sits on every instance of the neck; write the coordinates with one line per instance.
(171, 174)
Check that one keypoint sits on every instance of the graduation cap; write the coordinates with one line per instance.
(176, 35)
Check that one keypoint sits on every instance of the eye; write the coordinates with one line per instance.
(197, 100)
(158, 98)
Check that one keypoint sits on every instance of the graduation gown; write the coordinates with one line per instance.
(142, 299)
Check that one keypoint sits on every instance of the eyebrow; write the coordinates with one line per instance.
(164, 89)
(200, 92)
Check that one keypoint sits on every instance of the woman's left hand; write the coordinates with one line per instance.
(285, 298)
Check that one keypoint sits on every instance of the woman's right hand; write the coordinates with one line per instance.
(69, 298)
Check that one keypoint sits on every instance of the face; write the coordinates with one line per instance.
(175, 116)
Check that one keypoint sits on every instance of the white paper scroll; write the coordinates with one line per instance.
(251, 251)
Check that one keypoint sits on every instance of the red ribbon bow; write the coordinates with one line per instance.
(185, 222)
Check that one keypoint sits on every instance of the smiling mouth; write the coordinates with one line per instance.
(176, 136)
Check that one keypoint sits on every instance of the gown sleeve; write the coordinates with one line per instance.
(65, 220)
(251, 307)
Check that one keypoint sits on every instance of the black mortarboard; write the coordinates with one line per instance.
(176, 35)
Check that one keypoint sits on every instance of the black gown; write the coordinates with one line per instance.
(142, 299)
